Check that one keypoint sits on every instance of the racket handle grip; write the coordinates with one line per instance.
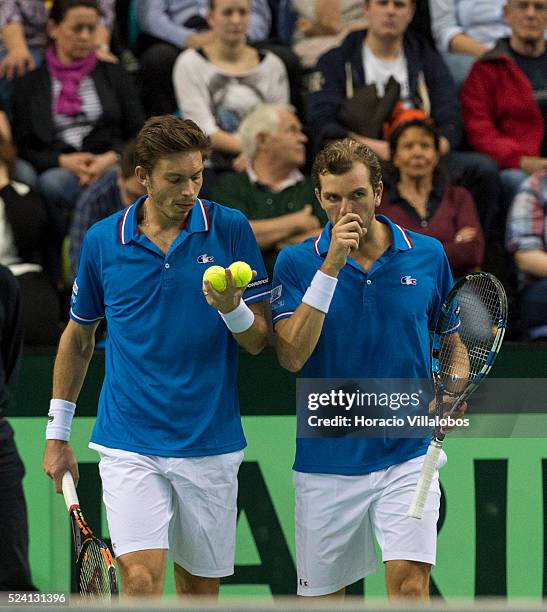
(416, 509)
(69, 491)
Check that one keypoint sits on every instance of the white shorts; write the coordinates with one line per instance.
(186, 505)
(336, 517)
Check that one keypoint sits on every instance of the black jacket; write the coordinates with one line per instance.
(121, 119)
(328, 86)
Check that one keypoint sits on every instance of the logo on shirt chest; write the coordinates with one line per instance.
(408, 280)
(203, 259)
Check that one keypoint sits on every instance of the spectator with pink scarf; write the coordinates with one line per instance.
(23, 39)
(73, 115)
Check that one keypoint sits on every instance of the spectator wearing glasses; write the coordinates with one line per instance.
(504, 98)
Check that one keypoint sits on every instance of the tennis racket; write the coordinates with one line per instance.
(466, 341)
(95, 572)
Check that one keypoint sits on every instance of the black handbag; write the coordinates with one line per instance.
(365, 113)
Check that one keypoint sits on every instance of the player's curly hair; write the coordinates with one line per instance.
(338, 156)
(165, 135)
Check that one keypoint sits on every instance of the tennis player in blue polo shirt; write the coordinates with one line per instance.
(358, 301)
(168, 428)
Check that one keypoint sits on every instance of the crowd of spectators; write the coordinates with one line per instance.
(272, 193)
(454, 105)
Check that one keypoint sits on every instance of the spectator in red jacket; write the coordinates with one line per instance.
(504, 98)
(423, 202)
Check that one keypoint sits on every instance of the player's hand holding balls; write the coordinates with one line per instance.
(223, 288)
(216, 275)
(241, 273)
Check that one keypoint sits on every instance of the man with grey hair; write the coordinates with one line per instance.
(276, 197)
(504, 98)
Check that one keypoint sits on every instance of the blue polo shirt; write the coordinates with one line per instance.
(170, 386)
(377, 327)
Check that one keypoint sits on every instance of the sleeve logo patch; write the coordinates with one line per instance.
(74, 292)
(257, 283)
(276, 293)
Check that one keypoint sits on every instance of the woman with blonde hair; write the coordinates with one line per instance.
(218, 84)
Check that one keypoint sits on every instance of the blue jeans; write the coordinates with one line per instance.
(533, 308)
(511, 179)
(24, 172)
(60, 190)
(459, 65)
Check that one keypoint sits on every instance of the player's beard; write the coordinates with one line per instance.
(367, 222)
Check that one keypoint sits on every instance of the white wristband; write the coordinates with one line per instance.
(240, 319)
(319, 293)
(60, 419)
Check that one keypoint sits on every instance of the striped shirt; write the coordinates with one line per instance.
(527, 219)
(72, 129)
(97, 202)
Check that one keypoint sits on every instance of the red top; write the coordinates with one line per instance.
(501, 117)
(450, 209)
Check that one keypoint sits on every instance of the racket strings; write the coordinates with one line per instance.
(94, 573)
(469, 332)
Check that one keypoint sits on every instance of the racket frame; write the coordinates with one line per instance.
(417, 505)
(83, 537)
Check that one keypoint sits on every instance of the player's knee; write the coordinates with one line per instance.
(188, 584)
(414, 586)
(139, 580)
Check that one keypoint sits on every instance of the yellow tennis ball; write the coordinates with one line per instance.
(217, 277)
(241, 273)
